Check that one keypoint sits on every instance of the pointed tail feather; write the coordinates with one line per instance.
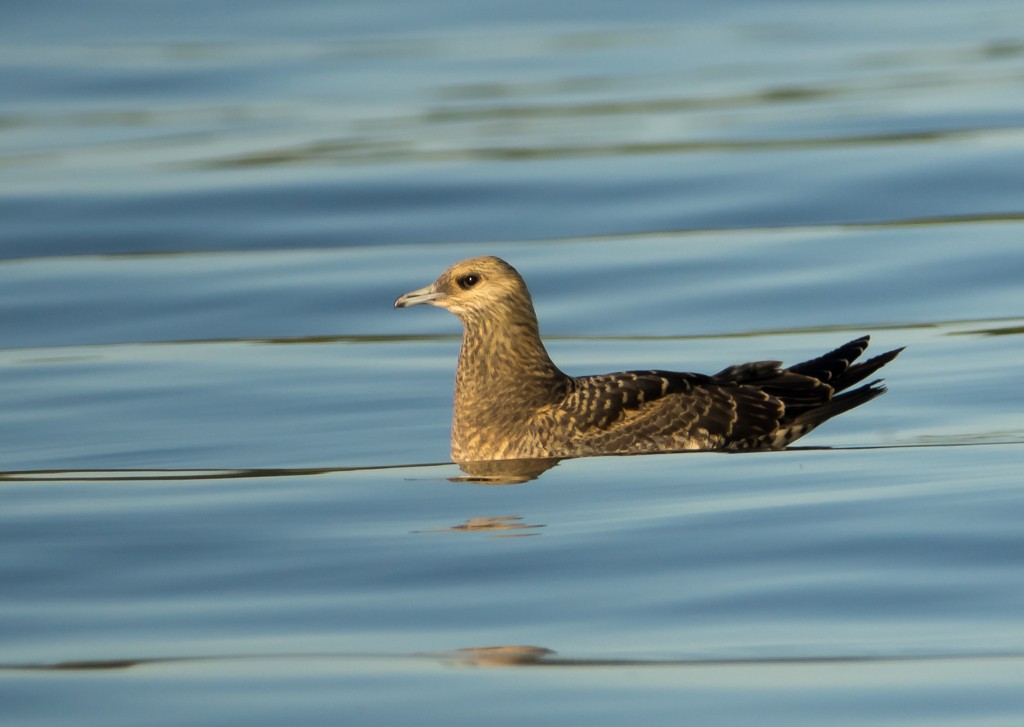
(858, 372)
(830, 366)
(809, 420)
(837, 368)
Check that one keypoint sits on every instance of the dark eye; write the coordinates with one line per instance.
(468, 281)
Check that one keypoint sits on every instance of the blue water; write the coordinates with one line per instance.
(225, 493)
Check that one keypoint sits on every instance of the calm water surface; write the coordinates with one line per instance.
(225, 492)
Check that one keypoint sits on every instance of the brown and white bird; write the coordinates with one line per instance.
(512, 402)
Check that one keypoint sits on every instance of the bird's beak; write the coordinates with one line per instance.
(418, 297)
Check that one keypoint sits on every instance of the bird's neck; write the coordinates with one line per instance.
(504, 378)
(504, 361)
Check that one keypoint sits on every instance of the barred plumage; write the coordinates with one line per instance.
(512, 402)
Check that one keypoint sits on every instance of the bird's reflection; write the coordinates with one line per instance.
(507, 526)
(504, 471)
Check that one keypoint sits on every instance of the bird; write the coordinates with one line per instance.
(512, 402)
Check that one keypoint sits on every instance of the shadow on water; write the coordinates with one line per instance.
(1002, 326)
(502, 472)
(379, 152)
(524, 655)
(495, 472)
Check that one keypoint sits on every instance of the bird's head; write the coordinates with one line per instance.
(476, 288)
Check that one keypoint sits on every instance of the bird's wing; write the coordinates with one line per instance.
(673, 408)
(751, 405)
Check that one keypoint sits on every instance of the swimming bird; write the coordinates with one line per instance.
(512, 402)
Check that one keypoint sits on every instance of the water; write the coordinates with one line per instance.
(226, 492)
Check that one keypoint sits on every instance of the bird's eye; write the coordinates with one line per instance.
(468, 281)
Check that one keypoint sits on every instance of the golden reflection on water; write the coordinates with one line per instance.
(511, 655)
(505, 526)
